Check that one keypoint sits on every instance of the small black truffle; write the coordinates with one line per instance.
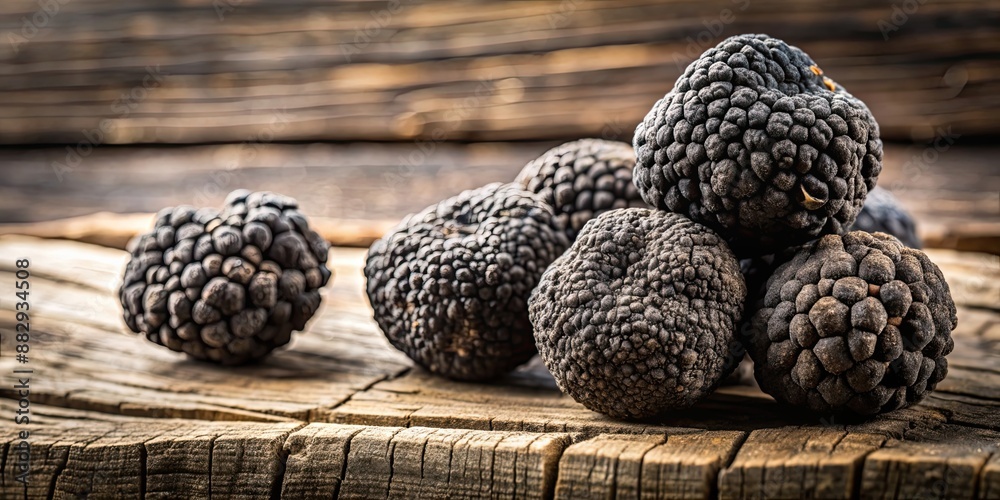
(583, 179)
(884, 214)
(639, 316)
(756, 143)
(449, 285)
(857, 325)
(227, 286)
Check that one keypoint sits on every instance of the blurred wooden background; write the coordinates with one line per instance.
(367, 110)
(195, 71)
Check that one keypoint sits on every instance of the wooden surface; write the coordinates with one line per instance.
(160, 71)
(355, 192)
(340, 413)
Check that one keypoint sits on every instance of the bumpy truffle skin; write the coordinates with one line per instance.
(854, 325)
(756, 143)
(884, 214)
(583, 179)
(226, 286)
(638, 317)
(450, 285)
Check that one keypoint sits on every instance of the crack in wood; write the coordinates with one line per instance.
(211, 450)
(343, 465)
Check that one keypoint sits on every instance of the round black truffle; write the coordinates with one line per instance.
(857, 324)
(756, 143)
(227, 286)
(884, 214)
(639, 316)
(583, 179)
(450, 285)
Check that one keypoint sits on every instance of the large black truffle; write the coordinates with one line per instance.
(639, 316)
(756, 143)
(583, 179)
(227, 286)
(450, 285)
(857, 324)
(884, 214)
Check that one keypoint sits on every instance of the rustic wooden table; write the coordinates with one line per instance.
(341, 413)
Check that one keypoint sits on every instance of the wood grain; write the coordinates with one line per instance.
(341, 414)
(201, 71)
(354, 193)
(810, 462)
(947, 462)
(646, 466)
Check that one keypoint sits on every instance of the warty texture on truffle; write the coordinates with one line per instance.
(227, 286)
(638, 317)
(449, 285)
(755, 142)
(583, 179)
(857, 325)
(884, 214)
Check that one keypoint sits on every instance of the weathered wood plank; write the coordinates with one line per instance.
(687, 465)
(77, 454)
(646, 466)
(180, 462)
(317, 457)
(161, 458)
(805, 462)
(49, 456)
(343, 369)
(438, 437)
(385, 71)
(607, 466)
(415, 462)
(944, 463)
(79, 340)
(354, 193)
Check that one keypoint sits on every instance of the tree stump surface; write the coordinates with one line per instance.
(340, 413)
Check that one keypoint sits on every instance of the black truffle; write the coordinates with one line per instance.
(857, 325)
(883, 213)
(227, 286)
(638, 317)
(583, 179)
(756, 143)
(450, 285)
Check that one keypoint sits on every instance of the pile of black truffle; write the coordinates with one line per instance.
(621, 266)
(737, 224)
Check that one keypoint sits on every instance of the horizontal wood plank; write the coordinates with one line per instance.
(945, 463)
(810, 462)
(354, 193)
(164, 72)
